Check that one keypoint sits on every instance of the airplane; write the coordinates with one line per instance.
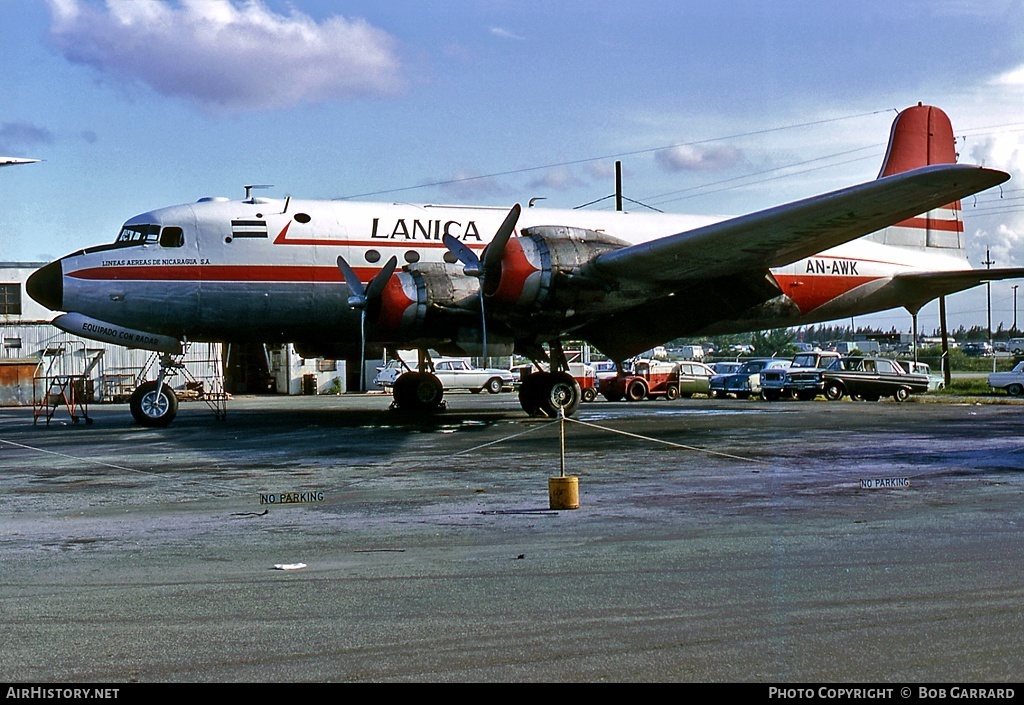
(11, 161)
(325, 275)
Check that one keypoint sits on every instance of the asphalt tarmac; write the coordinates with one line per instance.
(738, 546)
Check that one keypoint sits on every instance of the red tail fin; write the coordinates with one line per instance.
(923, 135)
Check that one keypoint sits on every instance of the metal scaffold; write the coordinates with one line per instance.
(62, 379)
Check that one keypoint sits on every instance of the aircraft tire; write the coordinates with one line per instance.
(560, 391)
(418, 392)
(149, 409)
(530, 392)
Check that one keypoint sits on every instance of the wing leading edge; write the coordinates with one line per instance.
(783, 234)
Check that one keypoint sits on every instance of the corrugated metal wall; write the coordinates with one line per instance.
(114, 374)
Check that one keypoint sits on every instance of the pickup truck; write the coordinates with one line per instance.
(800, 380)
(455, 374)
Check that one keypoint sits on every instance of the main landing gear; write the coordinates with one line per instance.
(418, 391)
(544, 393)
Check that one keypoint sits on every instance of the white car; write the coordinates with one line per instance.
(1012, 381)
(936, 381)
(454, 373)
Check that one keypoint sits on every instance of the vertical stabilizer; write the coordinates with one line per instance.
(923, 135)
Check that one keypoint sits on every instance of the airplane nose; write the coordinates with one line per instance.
(46, 285)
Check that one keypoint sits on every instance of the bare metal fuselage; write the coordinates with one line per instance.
(265, 270)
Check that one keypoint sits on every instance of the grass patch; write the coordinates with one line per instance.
(969, 387)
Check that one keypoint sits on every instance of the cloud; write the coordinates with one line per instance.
(228, 55)
(1005, 241)
(557, 178)
(505, 34)
(1014, 77)
(18, 136)
(693, 158)
(470, 186)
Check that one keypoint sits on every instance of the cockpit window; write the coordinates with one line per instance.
(138, 234)
(172, 237)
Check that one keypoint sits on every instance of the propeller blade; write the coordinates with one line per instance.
(356, 290)
(463, 253)
(380, 279)
(495, 250)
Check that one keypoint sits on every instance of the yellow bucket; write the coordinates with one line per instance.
(564, 492)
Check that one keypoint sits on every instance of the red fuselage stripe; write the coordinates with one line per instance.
(221, 273)
(953, 226)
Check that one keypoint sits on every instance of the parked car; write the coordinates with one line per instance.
(455, 374)
(746, 381)
(779, 383)
(870, 378)
(694, 378)
(1015, 345)
(726, 368)
(977, 350)
(387, 374)
(604, 369)
(935, 379)
(1012, 381)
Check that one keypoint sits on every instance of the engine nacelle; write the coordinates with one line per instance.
(534, 264)
(437, 305)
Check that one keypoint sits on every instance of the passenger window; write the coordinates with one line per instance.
(172, 237)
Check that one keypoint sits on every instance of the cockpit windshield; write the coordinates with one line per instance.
(146, 234)
(138, 234)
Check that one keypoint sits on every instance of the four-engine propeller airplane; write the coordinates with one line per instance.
(324, 275)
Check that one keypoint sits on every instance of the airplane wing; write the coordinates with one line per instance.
(786, 233)
(11, 161)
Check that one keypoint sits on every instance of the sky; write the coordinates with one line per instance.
(713, 108)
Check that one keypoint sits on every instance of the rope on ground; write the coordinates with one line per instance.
(102, 463)
(682, 446)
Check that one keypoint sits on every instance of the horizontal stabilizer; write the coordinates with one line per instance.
(786, 233)
(926, 286)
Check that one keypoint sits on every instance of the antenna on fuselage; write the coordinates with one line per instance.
(250, 187)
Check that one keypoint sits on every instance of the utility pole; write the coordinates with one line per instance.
(988, 291)
(1014, 287)
(618, 186)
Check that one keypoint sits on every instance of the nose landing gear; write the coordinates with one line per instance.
(154, 403)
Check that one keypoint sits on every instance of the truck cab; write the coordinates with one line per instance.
(799, 380)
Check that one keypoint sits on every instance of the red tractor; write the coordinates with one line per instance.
(649, 379)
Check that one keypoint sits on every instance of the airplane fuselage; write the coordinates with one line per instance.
(265, 270)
